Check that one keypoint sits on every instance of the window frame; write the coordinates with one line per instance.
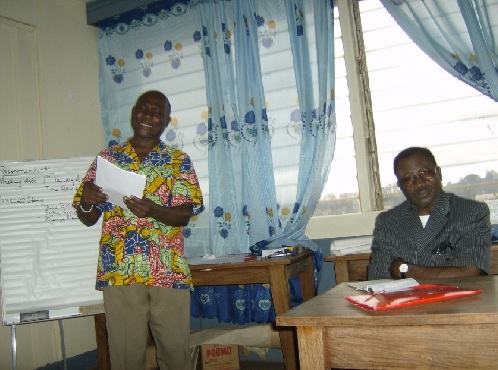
(370, 190)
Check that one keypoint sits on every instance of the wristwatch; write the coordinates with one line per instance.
(403, 269)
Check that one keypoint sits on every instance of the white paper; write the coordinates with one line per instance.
(118, 183)
(384, 285)
(342, 247)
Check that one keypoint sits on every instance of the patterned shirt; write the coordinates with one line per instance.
(144, 250)
(458, 233)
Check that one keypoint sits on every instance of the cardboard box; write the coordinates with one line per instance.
(220, 357)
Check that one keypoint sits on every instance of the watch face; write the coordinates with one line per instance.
(403, 268)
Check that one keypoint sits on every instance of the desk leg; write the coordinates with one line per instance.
(307, 281)
(310, 342)
(281, 302)
(104, 361)
(341, 271)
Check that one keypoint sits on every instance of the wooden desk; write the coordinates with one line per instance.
(276, 272)
(460, 333)
(353, 267)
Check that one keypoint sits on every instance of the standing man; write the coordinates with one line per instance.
(142, 269)
(433, 233)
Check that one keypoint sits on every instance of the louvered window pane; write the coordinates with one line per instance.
(340, 194)
(417, 103)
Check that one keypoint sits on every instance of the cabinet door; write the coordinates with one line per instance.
(20, 123)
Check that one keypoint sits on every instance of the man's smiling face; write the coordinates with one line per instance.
(150, 116)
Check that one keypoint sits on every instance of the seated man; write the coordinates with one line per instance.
(433, 233)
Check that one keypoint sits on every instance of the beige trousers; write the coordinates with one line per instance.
(131, 309)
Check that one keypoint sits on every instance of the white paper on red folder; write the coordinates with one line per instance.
(384, 285)
(419, 294)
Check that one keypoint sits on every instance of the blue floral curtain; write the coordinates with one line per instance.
(158, 46)
(241, 188)
(458, 35)
(252, 90)
(246, 210)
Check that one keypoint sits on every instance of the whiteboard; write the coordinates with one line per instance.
(48, 258)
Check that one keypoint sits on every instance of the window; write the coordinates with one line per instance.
(341, 194)
(417, 103)
(414, 103)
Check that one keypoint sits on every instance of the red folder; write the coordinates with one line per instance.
(418, 294)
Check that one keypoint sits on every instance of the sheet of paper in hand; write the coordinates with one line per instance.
(415, 295)
(118, 183)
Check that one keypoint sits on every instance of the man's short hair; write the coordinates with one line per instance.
(159, 93)
(408, 152)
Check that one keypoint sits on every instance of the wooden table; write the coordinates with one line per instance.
(351, 267)
(275, 271)
(459, 333)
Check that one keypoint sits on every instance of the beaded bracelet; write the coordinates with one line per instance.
(84, 211)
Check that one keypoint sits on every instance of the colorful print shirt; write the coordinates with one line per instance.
(144, 250)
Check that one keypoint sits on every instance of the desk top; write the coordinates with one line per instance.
(331, 309)
(237, 261)
(259, 271)
(348, 257)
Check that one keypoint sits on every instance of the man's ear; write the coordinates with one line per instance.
(166, 122)
(439, 174)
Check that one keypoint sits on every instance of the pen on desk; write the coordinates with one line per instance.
(374, 294)
(279, 255)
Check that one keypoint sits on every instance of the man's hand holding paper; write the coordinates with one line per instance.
(141, 207)
(118, 183)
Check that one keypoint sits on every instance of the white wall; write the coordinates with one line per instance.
(49, 108)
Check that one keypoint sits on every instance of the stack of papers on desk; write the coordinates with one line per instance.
(384, 285)
(342, 247)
